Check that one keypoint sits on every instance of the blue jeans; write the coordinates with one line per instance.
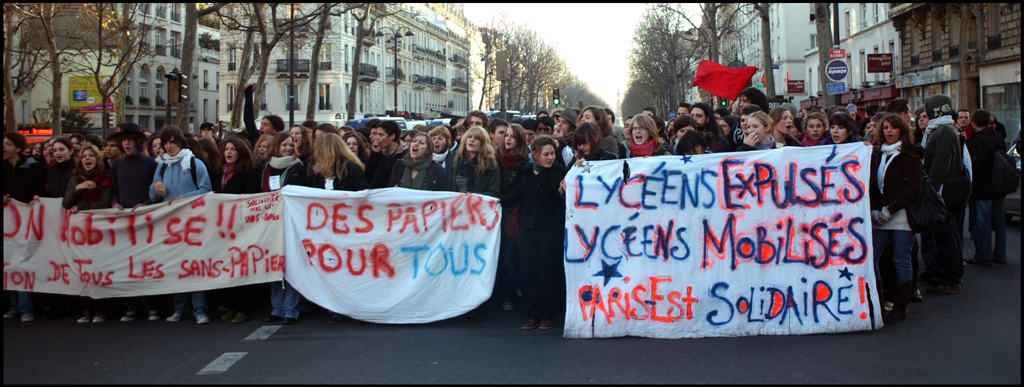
(284, 299)
(988, 217)
(21, 302)
(903, 243)
(198, 303)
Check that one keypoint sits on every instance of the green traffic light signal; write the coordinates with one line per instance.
(555, 101)
(723, 103)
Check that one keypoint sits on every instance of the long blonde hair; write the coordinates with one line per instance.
(328, 150)
(484, 156)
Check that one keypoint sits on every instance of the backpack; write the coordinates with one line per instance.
(195, 181)
(1005, 175)
(957, 193)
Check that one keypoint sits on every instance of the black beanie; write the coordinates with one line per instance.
(938, 105)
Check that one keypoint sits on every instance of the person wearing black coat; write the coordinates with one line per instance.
(24, 179)
(418, 160)
(542, 223)
(237, 175)
(63, 168)
(512, 164)
(986, 206)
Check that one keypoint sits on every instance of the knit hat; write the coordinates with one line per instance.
(570, 115)
(850, 107)
(938, 105)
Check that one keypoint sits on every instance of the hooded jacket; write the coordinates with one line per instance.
(983, 145)
(26, 179)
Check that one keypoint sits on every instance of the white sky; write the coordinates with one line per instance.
(594, 39)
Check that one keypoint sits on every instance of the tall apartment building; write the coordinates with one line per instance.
(791, 34)
(429, 67)
(969, 51)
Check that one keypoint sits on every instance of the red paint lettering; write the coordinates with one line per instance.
(367, 225)
(17, 220)
(379, 256)
(337, 216)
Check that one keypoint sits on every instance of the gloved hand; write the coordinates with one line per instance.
(884, 215)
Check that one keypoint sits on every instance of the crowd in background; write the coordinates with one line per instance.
(523, 163)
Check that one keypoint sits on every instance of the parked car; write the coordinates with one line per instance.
(440, 121)
(1011, 205)
(360, 123)
(510, 115)
(412, 124)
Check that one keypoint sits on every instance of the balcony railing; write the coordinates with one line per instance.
(391, 73)
(460, 60)
(915, 60)
(231, 66)
(301, 66)
(954, 51)
(459, 83)
(325, 65)
(368, 72)
(438, 82)
(995, 41)
(936, 55)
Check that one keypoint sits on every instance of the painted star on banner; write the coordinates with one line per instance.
(586, 166)
(608, 271)
(845, 273)
(686, 159)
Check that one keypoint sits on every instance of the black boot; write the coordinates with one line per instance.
(900, 299)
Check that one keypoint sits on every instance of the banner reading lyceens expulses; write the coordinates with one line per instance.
(773, 242)
(392, 255)
(204, 242)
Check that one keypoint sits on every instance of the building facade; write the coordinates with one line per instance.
(428, 68)
(969, 51)
(864, 29)
(791, 34)
(145, 92)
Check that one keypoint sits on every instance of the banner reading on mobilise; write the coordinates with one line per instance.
(204, 242)
(772, 242)
(392, 255)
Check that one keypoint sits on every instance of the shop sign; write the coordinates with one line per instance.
(879, 63)
(795, 86)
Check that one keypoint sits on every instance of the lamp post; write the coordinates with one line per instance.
(396, 33)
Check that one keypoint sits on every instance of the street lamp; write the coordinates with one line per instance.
(397, 35)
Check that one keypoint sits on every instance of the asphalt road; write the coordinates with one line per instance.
(973, 337)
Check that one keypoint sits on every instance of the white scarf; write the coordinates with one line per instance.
(184, 157)
(440, 157)
(932, 124)
(889, 153)
(283, 162)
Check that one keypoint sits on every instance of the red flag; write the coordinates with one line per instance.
(721, 81)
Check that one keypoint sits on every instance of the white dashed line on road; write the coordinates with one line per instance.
(263, 333)
(222, 363)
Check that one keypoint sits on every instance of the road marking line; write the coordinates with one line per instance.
(263, 333)
(222, 363)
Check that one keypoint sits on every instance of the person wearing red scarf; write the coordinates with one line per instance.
(90, 188)
(645, 141)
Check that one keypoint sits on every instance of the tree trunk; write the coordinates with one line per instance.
(824, 28)
(257, 98)
(314, 71)
(245, 71)
(766, 50)
(10, 121)
(356, 57)
(56, 74)
(188, 55)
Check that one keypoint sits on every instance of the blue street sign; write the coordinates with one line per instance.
(836, 70)
(775, 66)
(836, 88)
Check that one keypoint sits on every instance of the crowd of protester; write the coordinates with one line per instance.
(522, 163)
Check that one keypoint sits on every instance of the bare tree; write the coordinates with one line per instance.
(823, 26)
(766, 49)
(314, 70)
(24, 62)
(111, 43)
(44, 20)
(367, 15)
(188, 51)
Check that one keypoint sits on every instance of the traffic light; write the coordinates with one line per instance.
(724, 103)
(555, 99)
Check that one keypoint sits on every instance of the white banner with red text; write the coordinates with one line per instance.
(204, 242)
(771, 242)
(392, 255)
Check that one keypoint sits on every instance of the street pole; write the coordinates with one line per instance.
(502, 87)
(395, 73)
(291, 70)
(835, 42)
